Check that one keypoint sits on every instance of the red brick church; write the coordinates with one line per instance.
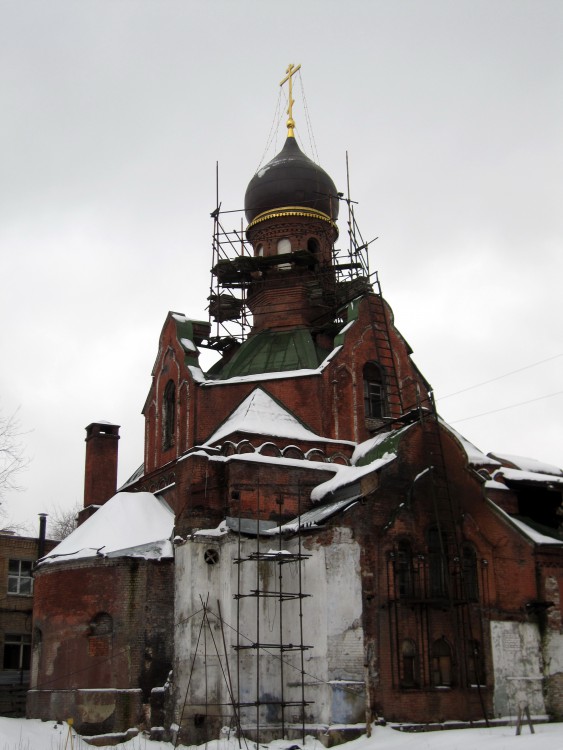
(307, 546)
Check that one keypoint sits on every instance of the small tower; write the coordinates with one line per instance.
(100, 475)
(291, 205)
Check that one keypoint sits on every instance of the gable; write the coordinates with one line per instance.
(260, 414)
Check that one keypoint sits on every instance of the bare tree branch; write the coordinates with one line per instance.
(13, 460)
(62, 521)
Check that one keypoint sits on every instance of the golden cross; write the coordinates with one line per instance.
(290, 122)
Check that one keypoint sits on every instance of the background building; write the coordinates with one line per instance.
(18, 555)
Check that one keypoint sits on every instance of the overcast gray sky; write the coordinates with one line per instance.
(114, 114)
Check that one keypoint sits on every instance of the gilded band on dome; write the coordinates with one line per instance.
(276, 213)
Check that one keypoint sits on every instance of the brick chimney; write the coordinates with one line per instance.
(100, 476)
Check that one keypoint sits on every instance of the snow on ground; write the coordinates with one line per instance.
(32, 734)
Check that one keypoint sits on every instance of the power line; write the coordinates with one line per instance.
(504, 408)
(499, 377)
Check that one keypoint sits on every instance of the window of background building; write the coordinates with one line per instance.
(19, 577)
(17, 651)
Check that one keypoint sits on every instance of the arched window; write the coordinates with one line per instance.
(403, 569)
(437, 558)
(441, 663)
(374, 391)
(284, 246)
(313, 245)
(469, 572)
(169, 414)
(409, 664)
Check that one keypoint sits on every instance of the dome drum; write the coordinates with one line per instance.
(289, 233)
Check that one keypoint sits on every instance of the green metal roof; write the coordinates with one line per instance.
(274, 351)
(386, 443)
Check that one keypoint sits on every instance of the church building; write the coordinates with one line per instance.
(307, 546)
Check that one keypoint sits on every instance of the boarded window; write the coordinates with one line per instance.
(441, 664)
(169, 416)
(409, 664)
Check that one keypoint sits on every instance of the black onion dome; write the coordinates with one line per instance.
(290, 179)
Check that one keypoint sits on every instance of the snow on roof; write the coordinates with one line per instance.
(197, 374)
(220, 530)
(258, 458)
(535, 536)
(475, 456)
(314, 518)
(362, 449)
(492, 484)
(530, 464)
(515, 475)
(347, 475)
(130, 524)
(378, 446)
(259, 414)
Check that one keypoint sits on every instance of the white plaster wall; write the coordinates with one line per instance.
(553, 653)
(517, 663)
(331, 625)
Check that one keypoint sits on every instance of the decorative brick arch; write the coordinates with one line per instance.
(245, 446)
(269, 449)
(293, 451)
(315, 454)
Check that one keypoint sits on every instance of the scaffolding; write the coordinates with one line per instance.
(235, 269)
(270, 564)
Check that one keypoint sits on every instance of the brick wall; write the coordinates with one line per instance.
(76, 645)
